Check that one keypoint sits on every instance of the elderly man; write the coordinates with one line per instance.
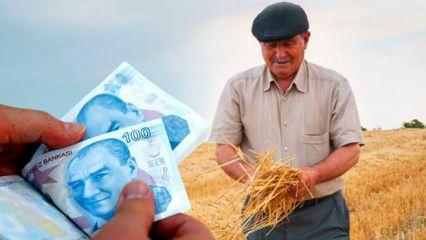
(299, 108)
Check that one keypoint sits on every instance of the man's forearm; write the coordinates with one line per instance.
(238, 169)
(340, 161)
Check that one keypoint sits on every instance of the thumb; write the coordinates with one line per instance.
(62, 134)
(133, 216)
(20, 126)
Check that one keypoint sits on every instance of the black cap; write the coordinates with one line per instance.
(279, 21)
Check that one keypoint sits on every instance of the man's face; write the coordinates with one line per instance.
(284, 57)
(96, 181)
(100, 120)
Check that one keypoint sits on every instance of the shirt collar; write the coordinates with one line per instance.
(300, 80)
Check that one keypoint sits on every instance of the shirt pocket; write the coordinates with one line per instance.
(316, 147)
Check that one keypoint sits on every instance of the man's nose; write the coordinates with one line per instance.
(90, 189)
(280, 51)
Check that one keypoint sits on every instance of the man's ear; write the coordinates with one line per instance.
(133, 167)
(306, 37)
(132, 108)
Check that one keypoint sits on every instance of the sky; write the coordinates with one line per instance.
(52, 53)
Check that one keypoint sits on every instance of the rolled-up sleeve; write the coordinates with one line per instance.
(345, 127)
(227, 126)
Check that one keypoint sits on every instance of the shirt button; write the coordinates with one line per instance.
(285, 98)
(285, 124)
(286, 149)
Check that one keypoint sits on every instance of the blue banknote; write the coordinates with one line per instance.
(25, 214)
(85, 180)
(126, 98)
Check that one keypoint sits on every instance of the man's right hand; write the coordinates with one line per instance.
(239, 169)
(134, 219)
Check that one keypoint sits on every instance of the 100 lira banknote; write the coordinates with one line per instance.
(127, 98)
(25, 214)
(85, 180)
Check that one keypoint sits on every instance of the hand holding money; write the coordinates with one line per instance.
(134, 219)
(20, 128)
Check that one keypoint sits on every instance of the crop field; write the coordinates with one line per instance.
(385, 191)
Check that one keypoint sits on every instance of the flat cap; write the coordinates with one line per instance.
(279, 21)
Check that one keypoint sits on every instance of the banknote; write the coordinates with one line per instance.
(126, 98)
(25, 214)
(84, 180)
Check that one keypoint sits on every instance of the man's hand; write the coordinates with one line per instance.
(309, 178)
(134, 218)
(232, 165)
(21, 128)
(335, 165)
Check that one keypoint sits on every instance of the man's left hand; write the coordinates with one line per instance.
(310, 177)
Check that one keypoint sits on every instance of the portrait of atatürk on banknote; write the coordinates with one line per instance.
(96, 175)
(106, 113)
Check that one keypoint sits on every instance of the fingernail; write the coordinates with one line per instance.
(72, 127)
(136, 189)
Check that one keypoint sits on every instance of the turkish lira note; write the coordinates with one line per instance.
(25, 214)
(84, 180)
(126, 98)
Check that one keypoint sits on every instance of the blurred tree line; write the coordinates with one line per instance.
(415, 123)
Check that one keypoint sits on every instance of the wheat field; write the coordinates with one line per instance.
(384, 191)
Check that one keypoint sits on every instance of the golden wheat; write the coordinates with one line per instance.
(384, 191)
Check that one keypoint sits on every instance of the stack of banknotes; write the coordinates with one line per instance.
(26, 214)
(134, 130)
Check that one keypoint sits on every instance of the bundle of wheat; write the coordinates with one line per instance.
(268, 189)
(269, 201)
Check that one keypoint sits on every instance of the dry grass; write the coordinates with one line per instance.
(270, 201)
(384, 191)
